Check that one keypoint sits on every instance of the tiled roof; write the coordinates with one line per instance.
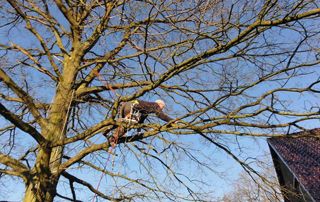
(302, 156)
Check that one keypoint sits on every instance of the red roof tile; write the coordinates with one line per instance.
(302, 156)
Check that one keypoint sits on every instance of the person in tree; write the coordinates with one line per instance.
(137, 111)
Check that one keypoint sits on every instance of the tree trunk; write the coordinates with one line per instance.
(41, 189)
(41, 186)
(42, 183)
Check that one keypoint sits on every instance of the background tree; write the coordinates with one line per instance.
(225, 68)
(251, 189)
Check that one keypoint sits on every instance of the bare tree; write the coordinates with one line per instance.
(225, 68)
(254, 188)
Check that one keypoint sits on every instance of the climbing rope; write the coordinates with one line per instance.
(114, 139)
(113, 144)
(115, 136)
(105, 83)
(105, 166)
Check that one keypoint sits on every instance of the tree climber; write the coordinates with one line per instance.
(137, 111)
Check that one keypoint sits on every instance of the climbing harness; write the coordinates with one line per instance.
(133, 116)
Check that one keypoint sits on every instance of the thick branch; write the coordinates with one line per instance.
(38, 105)
(21, 124)
(18, 168)
(11, 172)
(89, 186)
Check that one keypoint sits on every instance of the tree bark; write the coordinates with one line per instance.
(41, 184)
(40, 190)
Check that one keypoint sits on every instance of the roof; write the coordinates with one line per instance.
(302, 156)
